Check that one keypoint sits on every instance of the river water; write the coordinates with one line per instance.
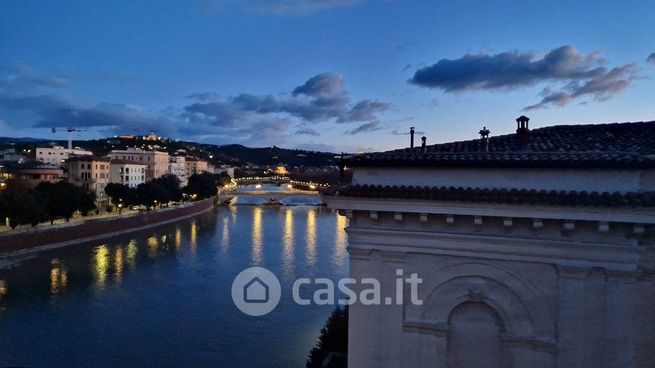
(161, 297)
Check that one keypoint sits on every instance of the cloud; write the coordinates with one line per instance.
(365, 110)
(416, 133)
(601, 87)
(651, 58)
(307, 131)
(581, 74)
(204, 96)
(22, 79)
(364, 128)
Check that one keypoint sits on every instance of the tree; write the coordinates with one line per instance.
(121, 193)
(203, 185)
(333, 338)
(23, 207)
(62, 199)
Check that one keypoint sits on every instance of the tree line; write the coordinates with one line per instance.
(46, 202)
(51, 201)
(166, 189)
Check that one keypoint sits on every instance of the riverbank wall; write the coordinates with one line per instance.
(42, 237)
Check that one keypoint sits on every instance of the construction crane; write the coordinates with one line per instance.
(70, 135)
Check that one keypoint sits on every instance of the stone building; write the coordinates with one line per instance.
(536, 249)
(57, 155)
(89, 172)
(156, 161)
(29, 174)
(128, 173)
(196, 166)
(177, 167)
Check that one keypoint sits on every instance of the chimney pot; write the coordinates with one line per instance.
(423, 144)
(522, 130)
(411, 137)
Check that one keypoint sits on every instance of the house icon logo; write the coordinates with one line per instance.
(256, 291)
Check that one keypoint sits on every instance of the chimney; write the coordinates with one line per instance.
(484, 134)
(411, 137)
(423, 146)
(522, 130)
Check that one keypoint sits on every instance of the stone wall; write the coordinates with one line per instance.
(97, 228)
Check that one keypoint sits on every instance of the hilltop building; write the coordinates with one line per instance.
(57, 155)
(128, 173)
(156, 161)
(89, 172)
(536, 249)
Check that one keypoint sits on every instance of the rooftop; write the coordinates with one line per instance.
(616, 145)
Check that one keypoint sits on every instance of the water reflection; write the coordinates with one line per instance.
(194, 237)
(118, 263)
(101, 262)
(225, 237)
(340, 239)
(257, 235)
(153, 244)
(287, 239)
(3, 288)
(132, 253)
(58, 277)
(178, 238)
(310, 252)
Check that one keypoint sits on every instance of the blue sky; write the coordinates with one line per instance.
(340, 75)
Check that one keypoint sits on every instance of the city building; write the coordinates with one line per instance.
(10, 155)
(224, 168)
(130, 173)
(195, 166)
(89, 172)
(156, 161)
(535, 249)
(177, 167)
(57, 155)
(29, 174)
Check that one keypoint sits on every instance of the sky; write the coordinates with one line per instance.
(329, 75)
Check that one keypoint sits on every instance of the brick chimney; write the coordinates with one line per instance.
(522, 130)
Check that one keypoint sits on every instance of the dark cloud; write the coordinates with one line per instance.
(307, 131)
(601, 87)
(204, 96)
(365, 110)
(321, 85)
(582, 74)
(364, 128)
(651, 58)
(22, 79)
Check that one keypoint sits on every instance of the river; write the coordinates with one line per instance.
(161, 297)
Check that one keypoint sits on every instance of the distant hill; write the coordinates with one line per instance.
(232, 154)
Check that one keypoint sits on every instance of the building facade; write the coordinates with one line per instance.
(128, 173)
(196, 166)
(177, 167)
(57, 155)
(89, 172)
(535, 249)
(28, 175)
(156, 161)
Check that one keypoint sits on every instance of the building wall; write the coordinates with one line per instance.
(128, 174)
(546, 179)
(156, 161)
(92, 175)
(195, 166)
(57, 155)
(177, 167)
(561, 298)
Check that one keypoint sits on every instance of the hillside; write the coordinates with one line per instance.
(232, 154)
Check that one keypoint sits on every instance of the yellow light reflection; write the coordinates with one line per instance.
(257, 235)
(3, 288)
(287, 255)
(340, 239)
(225, 238)
(132, 253)
(101, 260)
(153, 245)
(310, 251)
(194, 237)
(58, 277)
(119, 262)
(178, 238)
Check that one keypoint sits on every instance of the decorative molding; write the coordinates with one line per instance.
(426, 327)
(534, 343)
